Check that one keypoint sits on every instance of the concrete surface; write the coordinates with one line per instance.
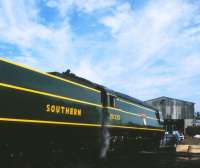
(189, 149)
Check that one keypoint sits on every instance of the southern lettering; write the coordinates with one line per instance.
(51, 108)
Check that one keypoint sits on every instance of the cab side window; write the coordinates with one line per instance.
(112, 101)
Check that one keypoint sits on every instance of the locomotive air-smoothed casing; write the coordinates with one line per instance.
(28, 96)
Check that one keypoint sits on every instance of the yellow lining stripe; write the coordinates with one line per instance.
(123, 111)
(130, 113)
(109, 94)
(128, 102)
(131, 103)
(74, 124)
(66, 98)
(49, 122)
(135, 128)
(47, 94)
(49, 75)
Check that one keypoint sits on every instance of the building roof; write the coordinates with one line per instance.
(169, 98)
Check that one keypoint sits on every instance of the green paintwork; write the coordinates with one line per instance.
(127, 119)
(15, 75)
(26, 105)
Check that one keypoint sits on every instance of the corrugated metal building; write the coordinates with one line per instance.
(177, 114)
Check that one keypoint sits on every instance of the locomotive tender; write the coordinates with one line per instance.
(73, 109)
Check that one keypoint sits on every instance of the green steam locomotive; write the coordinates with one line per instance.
(37, 106)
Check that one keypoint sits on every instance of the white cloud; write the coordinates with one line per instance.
(142, 34)
(38, 43)
(87, 6)
(154, 50)
(92, 5)
(156, 32)
(191, 65)
(62, 5)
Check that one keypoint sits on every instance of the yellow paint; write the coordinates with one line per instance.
(109, 94)
(131, 103)
(79, 112)
(49, 75)
(52, 108)
(135, 128)
(66, 98)
(115, 117)
(130, 113)
(49, 122)
(48, 94)
(76, 124)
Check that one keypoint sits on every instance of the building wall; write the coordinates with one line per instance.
(174, 109)
(188, 122)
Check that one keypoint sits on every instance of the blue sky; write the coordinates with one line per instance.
(144, 48)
